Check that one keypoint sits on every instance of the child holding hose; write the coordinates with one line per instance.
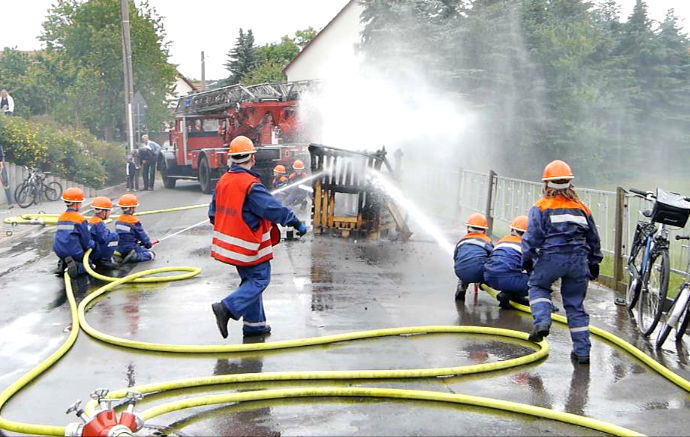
(561, 242)
(471, 253)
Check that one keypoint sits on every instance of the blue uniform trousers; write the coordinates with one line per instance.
(514, 285)
(247, 301)
(142, 254)
(573, 271)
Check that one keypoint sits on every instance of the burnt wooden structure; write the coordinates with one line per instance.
(345, 201)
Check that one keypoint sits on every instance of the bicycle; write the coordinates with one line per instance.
(677, 316)
(649, 263)
(34, 187)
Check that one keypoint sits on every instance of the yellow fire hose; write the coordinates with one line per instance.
(78, 314)
(52, 219)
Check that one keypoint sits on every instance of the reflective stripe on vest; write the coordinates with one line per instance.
(65, 227)
(513, 246)
(112, 244)
(238, 257)
(124, 228)
(562, 218)
(239, 242)
(473, 241)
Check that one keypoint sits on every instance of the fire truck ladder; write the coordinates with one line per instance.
(231, 96)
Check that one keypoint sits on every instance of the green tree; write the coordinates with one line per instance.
(242, 58)
(304, 37)
(84, 41)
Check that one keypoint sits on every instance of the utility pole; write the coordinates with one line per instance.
(203, 71)
(129, 79)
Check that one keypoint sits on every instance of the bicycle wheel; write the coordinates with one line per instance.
(650, 304)
(683, 324)
(632, 293)
(670, 319)
(18, 189)
(52, 191)
(26, 196)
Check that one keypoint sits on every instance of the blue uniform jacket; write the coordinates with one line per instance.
(506, 258)
(561, 226)
(131, 234)
(471, 254)
(259, 204)
(105, 239)
(72, 237)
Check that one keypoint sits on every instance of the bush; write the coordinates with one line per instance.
(66, 151)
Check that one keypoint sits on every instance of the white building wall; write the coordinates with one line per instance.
(336, 45)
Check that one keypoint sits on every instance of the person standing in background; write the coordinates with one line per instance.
(132, 171)
(150, 172)
(147, 160)
(5, 177)
(6, 102)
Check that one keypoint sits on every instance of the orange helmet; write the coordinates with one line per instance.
(128, 201)
(477, 220)
(73, 194)
(102, 202)
(239, 147)
(298, 165)
(557, 170)
(280, 169)
(519, 223)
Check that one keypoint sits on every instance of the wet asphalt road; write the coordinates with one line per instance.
(321, 285)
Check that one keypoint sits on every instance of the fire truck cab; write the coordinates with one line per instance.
(206, 123)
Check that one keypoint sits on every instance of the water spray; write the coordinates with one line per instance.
(301, 181)
(183, 230)
(417, 215)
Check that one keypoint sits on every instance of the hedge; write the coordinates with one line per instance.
(68, 152)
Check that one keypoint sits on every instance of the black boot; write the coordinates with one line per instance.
(72, 267)
(60, 269)
(266, 331)
(223, 316)
(503, 300)
(461, 291)
(538, 333)
(579, 359)
(107, 265)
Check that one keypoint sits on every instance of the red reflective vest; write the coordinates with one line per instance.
(234, 242)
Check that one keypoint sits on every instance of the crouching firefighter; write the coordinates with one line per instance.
(106, 240)
(72, 238)
(244, 217)
(134, 244)
(561, 242)
(503, 269)
(471, 254)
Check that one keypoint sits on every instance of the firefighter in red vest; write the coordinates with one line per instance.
(244, 217)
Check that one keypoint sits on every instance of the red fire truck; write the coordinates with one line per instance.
(206, 122)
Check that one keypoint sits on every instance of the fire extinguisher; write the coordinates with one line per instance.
(105, 422)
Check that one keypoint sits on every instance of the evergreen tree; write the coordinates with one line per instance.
(242, 58)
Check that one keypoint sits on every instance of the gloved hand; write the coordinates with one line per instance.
(527, 265)
(148, 246)
(594, 271)
(301, 229)
(212, 219)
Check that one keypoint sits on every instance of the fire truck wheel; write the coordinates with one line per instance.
(207, 184)
(168, 182)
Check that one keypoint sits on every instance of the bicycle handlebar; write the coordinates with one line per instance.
(640, 192)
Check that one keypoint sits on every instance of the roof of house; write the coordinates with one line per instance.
(191, 84)
(318, 35)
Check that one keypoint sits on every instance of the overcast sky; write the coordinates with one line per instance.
(212, 25)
